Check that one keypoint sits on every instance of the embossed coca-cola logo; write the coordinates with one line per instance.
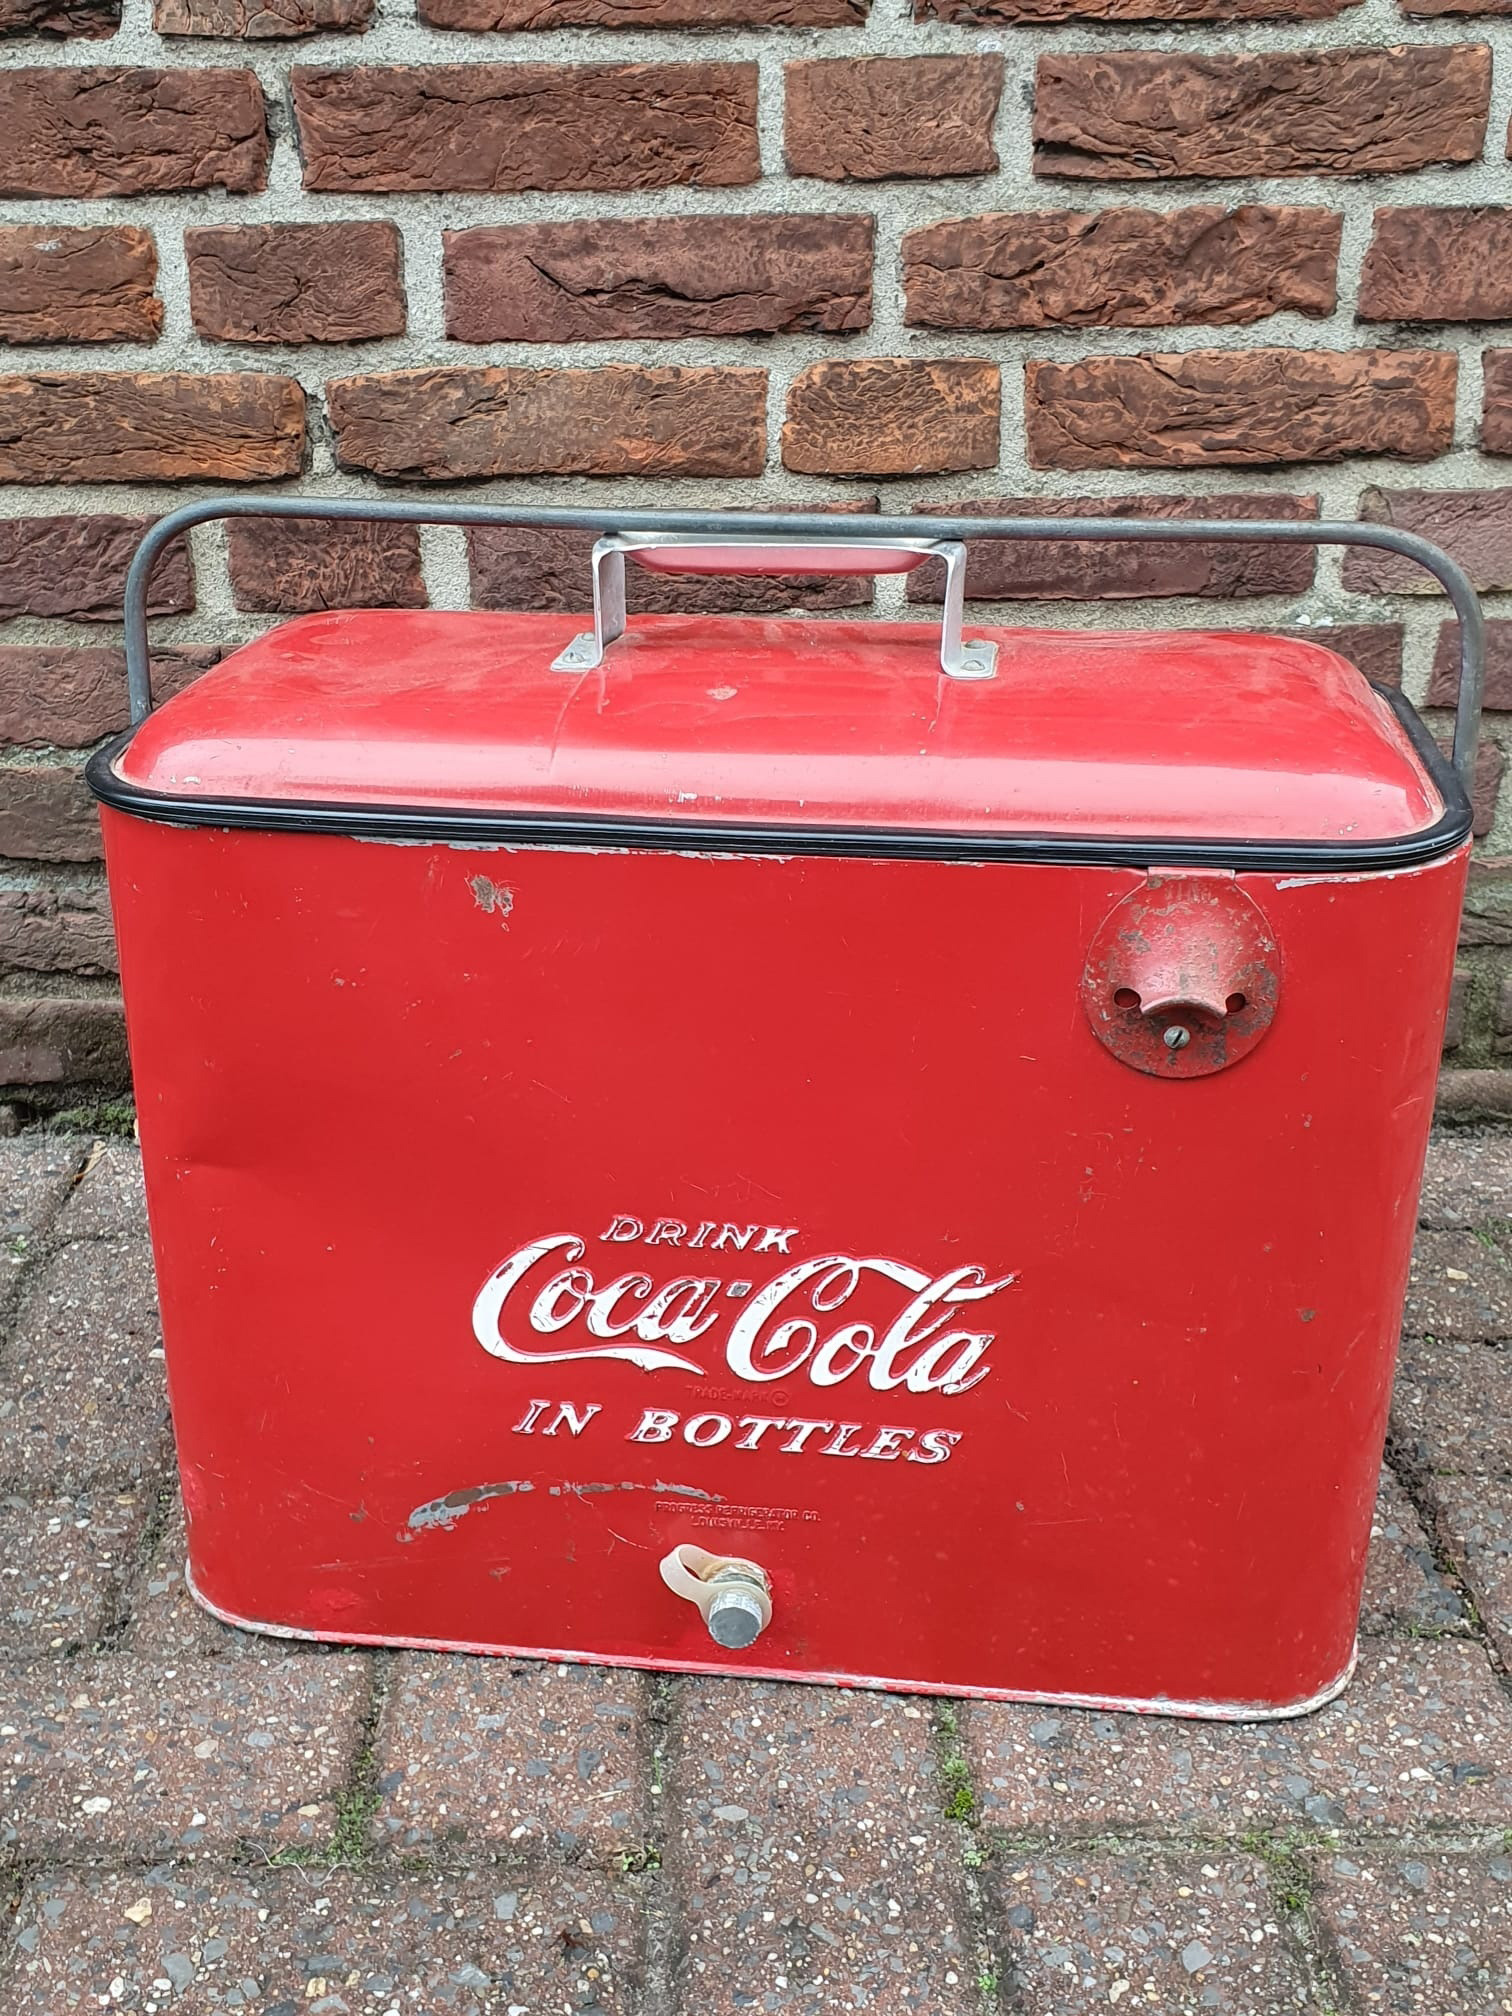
(796, 1321)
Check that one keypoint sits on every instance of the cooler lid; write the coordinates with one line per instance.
(840, 735)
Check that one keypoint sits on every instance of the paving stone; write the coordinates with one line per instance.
(128, 1755)
(816, 1869)
(1404, 1587)
(1468, 1177)
(35, 1171)
(1478, 1516)
(108, 1200)
(1420, 1933)
(165, 1622)
(478, 1750)
(61, 1562)
(1423, 1735)
(1452, 1407)
(1194, 1932)
(334, 1943)
(82, 1398)
(1461, 1286)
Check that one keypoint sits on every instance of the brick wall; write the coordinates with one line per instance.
(1238, 256)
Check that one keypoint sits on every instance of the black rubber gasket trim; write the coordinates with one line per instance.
(441, 823)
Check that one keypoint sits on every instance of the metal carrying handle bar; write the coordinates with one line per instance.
(663, 551)
(811, 528)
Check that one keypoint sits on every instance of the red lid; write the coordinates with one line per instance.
(1219, 735)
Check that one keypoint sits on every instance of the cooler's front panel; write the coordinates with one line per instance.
(523, 1214)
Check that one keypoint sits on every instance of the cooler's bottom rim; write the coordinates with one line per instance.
(1188, 1711)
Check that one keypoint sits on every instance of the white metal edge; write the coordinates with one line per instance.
(1191, 1711)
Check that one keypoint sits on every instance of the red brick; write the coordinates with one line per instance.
(1414, 1707)
(84, 1400)
(515, 126)
(57, 930)
(63, 1040)
(1373, 648)
(1490, 767)
(1473, 1096)
(467, 1943)
(125, 1756)
(1454, 1021)
(516, 14)
(76, 567)
(474, 1751)
(47, 814)
(261, 20)
(542, 567)
(63, 1560)
(591, 280)
(296, 283)
(69, 696)
(1487, 920)
(812, 1858)
(1117, 268)
(619, 420)
(1424, 1931)
(1443, 686)
(111, 132)
(1193, 1931)
(1134, 115)
(1496, 416)
(89, 19)
(1203, 408)
(1473, 526)
(1003, 570)
(875, 118)
(890, 416)
(974, 13)
(92, 285)
(293, 566)
(150, 426)
(1435, 264)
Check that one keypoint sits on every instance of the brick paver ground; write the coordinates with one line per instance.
(195, 1821)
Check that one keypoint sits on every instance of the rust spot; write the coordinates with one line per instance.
(494, 899)
(445, 1512)
(572, 1490)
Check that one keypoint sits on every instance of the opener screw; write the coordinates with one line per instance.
(1177, 1038)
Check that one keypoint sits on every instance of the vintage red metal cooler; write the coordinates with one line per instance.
(815, 1149)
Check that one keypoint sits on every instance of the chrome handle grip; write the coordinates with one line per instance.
(959, 658)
